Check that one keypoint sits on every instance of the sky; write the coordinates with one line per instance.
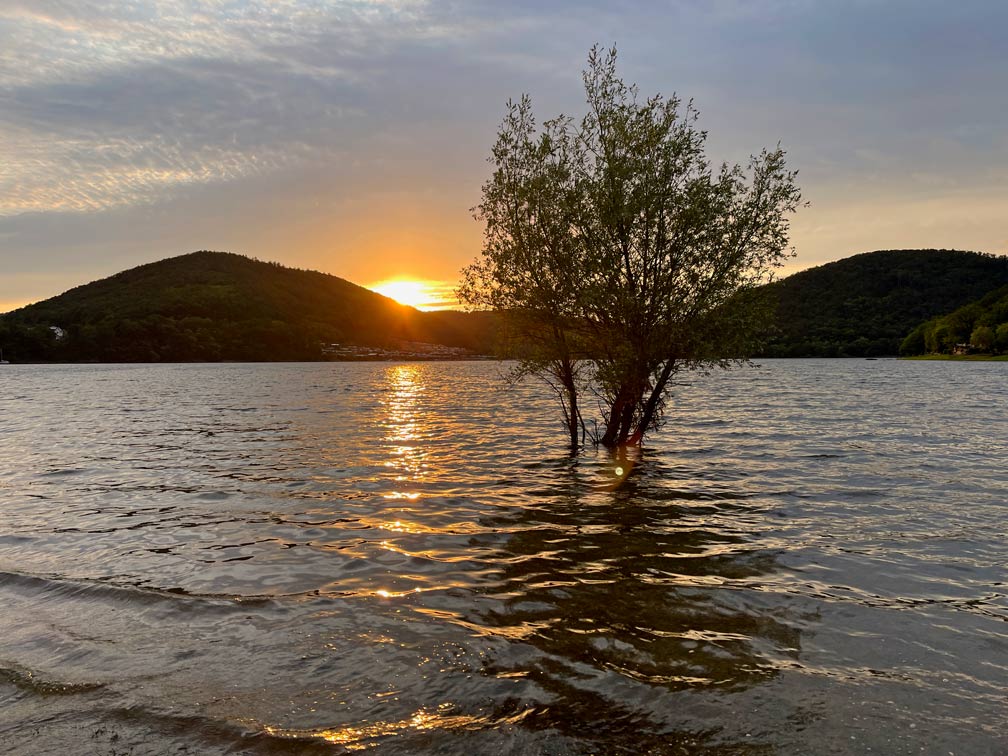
(351, 136)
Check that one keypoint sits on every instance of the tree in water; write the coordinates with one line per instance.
(618, 256)
(531, 257)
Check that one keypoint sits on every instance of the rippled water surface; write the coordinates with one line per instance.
(210, 559)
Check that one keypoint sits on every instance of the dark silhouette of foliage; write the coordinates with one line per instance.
(620, 254)
(980, 326)
(209, 306)
(864, 306)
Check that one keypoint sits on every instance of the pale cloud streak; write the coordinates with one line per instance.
(111, 104)
(84, 175)
(77, 38)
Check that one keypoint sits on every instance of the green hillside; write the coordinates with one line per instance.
(865, 305)
(208, 306)
(980, 326)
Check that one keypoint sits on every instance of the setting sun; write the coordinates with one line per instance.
(424, 295)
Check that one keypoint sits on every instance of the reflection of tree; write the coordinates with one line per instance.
(625, 598)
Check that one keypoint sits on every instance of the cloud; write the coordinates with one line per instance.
(105, 104)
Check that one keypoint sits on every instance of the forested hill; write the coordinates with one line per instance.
(980, 326)
(866, 305)
(209, 306)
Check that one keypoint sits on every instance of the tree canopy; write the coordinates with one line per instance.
(980, 326)
(619, 255)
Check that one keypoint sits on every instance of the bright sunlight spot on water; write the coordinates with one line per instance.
(356, 738)
(403, 423)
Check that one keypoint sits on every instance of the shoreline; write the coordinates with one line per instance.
(959, 357)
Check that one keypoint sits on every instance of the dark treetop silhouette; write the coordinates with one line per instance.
(980, 326)
(619, 256)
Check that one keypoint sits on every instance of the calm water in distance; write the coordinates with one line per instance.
(811, 558)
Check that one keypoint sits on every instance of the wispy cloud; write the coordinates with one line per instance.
(73, 39)
(110, 104)
(71, 175)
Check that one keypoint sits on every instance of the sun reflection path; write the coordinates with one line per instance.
(365, 736)
(404, 423)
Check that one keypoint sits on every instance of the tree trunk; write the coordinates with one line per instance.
(627, 420)
(572, 406)
(609, 438)
(652, 403)
(621, 415)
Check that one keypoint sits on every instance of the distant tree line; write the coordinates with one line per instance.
(864, 306)
(157, 338)
(980, 326)
(210, 306)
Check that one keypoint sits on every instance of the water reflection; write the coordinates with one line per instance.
(357, 738)
(621, 467)
(626, 594)
(402, 426)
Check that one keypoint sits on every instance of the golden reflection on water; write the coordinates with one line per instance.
(362, 737)
(405, 386)
(624, 460)
(395, 594)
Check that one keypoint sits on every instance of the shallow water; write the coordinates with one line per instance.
(812, 557)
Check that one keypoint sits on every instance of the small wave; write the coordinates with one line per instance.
(85, 729)
(62, 471)
(64, 588)
(31, 682)
(365, 735)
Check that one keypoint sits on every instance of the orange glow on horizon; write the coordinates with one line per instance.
(424, 295)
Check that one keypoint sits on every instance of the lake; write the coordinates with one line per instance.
(810, 558)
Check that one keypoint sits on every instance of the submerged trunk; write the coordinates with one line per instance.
(573, 413)
(621, 415)
(565, 372)
(610, 439)
(572, 421)
(626, 422)
(621, 430)
(651, 406)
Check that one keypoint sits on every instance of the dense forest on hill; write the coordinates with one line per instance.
(209, 306)
(980, 326)
(864, 306)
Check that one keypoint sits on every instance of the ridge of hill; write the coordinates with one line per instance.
(208, 306)
(865, 305)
